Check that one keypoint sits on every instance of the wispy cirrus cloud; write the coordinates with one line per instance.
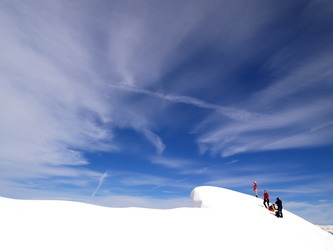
(295, 113)
(290, 103)
(172, 162)
(233, 113)
(53, 103)
(65, 87)
(47, 111)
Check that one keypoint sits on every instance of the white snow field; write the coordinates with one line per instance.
(328, 228)
(227, 220)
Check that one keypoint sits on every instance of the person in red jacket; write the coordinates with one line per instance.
(266, 199)
(255, 188)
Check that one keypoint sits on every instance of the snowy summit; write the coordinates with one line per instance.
(227, 220)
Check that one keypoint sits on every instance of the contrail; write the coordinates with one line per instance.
(100, 183)
(233, 113)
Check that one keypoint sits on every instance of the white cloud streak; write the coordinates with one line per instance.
(46, 110)
(100, 183)
(291, 118)
(155, 140)
(172, 162)
(233, 113)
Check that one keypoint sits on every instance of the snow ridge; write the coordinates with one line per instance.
(227, 220)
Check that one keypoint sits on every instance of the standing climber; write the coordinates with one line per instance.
(279, 205)
(255, 189)
(266, 199)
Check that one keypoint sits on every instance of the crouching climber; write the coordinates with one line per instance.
(279, 208)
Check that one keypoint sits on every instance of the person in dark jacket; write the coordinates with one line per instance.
(279, 207)
(266, 199)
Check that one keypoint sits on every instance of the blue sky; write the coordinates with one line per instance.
(135, 103)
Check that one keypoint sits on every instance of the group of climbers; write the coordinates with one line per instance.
(278, 202)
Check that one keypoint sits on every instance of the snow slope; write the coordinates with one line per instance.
(328, 228)
(231, 220)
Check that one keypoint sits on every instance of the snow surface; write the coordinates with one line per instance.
(231, 220)
(328, 228)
